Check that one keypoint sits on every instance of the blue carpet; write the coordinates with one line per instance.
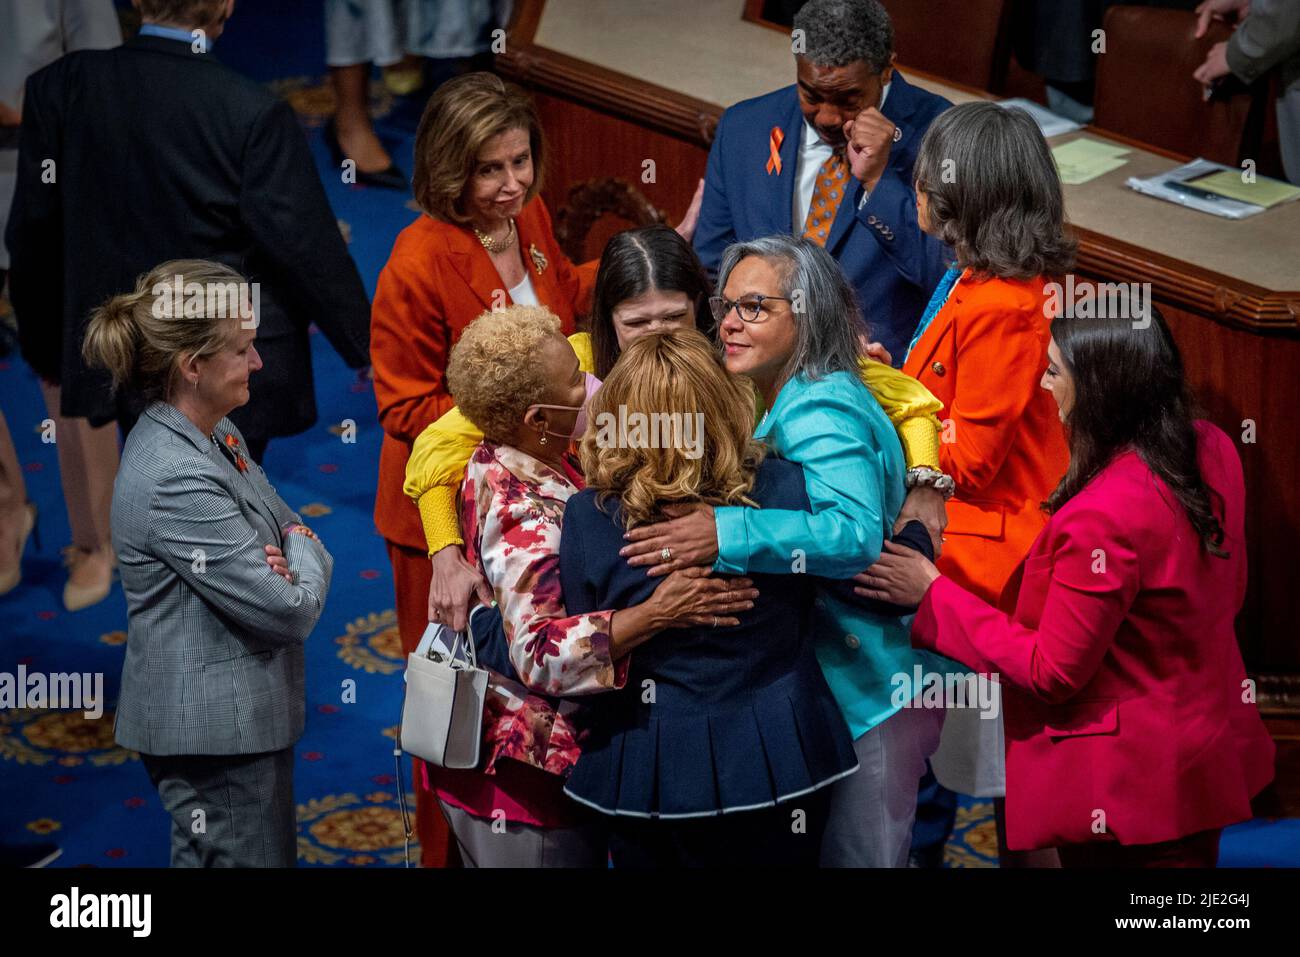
(61, 776)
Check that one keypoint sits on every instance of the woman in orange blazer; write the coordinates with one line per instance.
(980, 348)
(484, 242)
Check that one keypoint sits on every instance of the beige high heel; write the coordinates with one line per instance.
(82, 594)
(12, 575)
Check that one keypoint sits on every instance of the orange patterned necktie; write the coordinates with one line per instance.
(832, 179)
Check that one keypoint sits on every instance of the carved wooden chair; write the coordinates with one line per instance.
(595, 211)
(980, 58)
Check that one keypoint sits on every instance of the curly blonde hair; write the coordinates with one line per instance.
(674, 372)
(493, 373)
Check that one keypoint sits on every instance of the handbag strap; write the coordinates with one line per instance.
(465, 640)
(471, 653)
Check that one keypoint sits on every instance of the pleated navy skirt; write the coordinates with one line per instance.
(669, 759)
(711, 720)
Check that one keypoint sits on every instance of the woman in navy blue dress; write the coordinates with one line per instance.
(719, 748)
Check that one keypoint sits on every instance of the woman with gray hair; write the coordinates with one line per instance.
(788, 320)
(981, 348)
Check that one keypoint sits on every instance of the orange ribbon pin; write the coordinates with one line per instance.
(773, 154)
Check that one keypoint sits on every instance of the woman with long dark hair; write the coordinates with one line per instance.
(1130, 739)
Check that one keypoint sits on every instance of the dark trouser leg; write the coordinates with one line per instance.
(936, 813)
(1194, 850)
(788, 835)
(228, 810)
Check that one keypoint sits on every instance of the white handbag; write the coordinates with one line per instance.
(442, 712)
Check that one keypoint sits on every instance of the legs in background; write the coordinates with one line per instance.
(352, 127)
(356, 36)
(936, 812)
(88, 459)
(17, 516)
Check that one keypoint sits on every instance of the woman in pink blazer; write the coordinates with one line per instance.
(1132, 736)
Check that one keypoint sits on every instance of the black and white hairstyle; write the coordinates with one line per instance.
(840, 32)
(825, 307)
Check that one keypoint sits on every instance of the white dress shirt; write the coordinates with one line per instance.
(524, 294)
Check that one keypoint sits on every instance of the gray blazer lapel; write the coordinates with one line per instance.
(246, 485)
(249, 483)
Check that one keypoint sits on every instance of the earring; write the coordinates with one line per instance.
(543, 440)
(196, 385)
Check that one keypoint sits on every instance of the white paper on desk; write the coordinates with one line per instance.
(1227, 208)
(1052, 124)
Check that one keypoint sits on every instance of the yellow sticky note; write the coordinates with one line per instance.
(1086, 145)
(1263, 192)
(1085, 159)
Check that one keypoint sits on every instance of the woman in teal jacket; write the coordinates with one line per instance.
(787, 319)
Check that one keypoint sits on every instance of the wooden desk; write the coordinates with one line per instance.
(618, 84)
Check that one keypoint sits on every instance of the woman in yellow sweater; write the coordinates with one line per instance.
(649, 281)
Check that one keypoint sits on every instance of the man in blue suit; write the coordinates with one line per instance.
(831, 158)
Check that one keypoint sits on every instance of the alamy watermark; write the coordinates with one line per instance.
(75, 910)
(933, 689)
(212, 300)
(1099, 300)
(63, 691)
(651, 430)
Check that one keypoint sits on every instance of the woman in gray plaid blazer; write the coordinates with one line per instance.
(223, 582)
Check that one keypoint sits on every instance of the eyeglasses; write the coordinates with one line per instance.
(750, 308)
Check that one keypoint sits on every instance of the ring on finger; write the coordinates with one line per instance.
(666, 553)
(715, 621)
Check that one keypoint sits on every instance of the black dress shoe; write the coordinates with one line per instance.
(390, 178)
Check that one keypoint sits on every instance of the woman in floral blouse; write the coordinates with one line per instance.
(518, 380)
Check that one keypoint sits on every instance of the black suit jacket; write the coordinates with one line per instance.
(161, 153)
